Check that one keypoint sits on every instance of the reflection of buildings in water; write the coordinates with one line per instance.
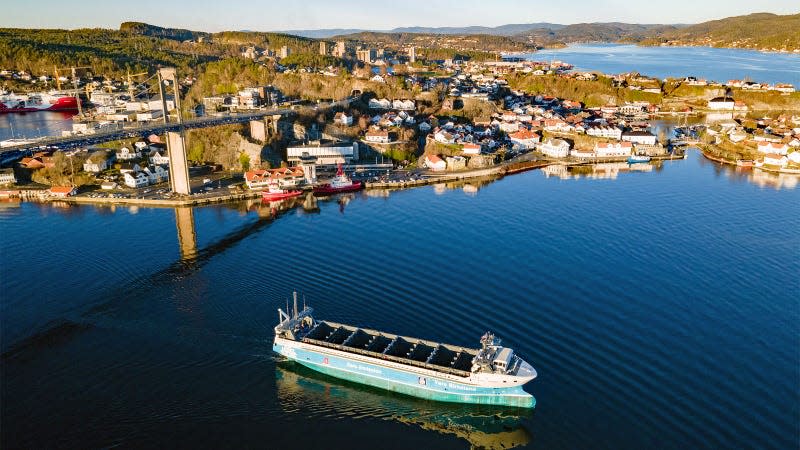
(187, 238)
(344, 200)
(439, 188)
(310, 203)
(599, 171)
(133, 209)
(377, 193)
(482, 426)
(470, 189)
(774, 180)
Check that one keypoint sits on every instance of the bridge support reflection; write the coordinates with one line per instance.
(187, 237)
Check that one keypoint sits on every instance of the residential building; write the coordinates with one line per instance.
(368, 55)
(62, 191)
(524, 139)
(377, 136)
(774, 159)
(639, 137)
(285, 52)
(7, 176)
(435, 163)
(98, 162)
(555, 148)
(721, 103)
(412, 55)
(323, 48)
(283, 177)
(340, 50)
(159, 157)
(343, 118)
(772, 147)
(613, 149)
(135, 179)
(125, 154)
(471, 149)
(582, 153)
(605, 132)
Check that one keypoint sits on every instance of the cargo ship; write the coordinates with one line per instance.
(490, 375)
(39, 101)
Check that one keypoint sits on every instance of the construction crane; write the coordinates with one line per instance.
(72, 70)
(131, 93)
(74, 83)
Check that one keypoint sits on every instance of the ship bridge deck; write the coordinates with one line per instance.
(444, 358)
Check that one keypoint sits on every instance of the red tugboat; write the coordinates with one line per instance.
(340, 183)
(275, 193)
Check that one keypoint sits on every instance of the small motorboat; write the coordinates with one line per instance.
(634, 159)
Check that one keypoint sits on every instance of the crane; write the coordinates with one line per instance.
(74, 83)
(130, 83)
(72, 69)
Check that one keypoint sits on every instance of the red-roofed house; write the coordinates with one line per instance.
(471, 149)
(435, 163)
(773, 147)
(62, 191)
(525, 139)
(284, 177)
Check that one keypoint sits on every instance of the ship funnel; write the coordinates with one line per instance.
(295, 304)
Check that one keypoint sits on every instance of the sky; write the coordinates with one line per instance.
(221, 15)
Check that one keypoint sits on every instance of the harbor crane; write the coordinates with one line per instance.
(72, 70)
(131, 76)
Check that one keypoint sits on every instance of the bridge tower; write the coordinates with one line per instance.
(178, 163)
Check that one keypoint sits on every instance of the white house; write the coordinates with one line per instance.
(721, 104)
(135, 179)
(159, 157)
(378, 136)
(435, 163)
(773, 147)
(383, 103)
(605, 132)
(555, 148)
(97, 162)
(639, 137)
(794, 157)
(774, 159)
(581, 153)
(525, 139)
(343, 119)
(471, 149)
(404, 105)
(156, 174)
(125, 154)
(509, 127)
(612, 149)
(444, 137)
(378, 79)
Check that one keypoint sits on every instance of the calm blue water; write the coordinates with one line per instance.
(660, 309)
(719, 64)
(36, 124)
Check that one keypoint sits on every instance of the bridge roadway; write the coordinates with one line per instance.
(159, 128)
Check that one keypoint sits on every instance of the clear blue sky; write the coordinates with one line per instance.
(219, 15)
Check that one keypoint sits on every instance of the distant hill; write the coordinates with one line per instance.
(502, 30)
(145, 29)
(456, 42)
(763, 31)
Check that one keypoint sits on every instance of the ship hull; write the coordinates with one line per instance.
(408, 381)
(328, 190)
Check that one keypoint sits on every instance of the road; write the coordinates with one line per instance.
(159, 128)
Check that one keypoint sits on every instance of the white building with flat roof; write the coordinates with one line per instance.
(327, 153)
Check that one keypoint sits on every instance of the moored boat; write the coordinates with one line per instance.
(274, 193)
(745, 162)
(339, 183)
(633, 159)
(491, 375)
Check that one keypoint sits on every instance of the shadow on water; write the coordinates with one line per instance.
(302, 390)
(54, 334)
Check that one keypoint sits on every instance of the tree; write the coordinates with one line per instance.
(244, 160)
